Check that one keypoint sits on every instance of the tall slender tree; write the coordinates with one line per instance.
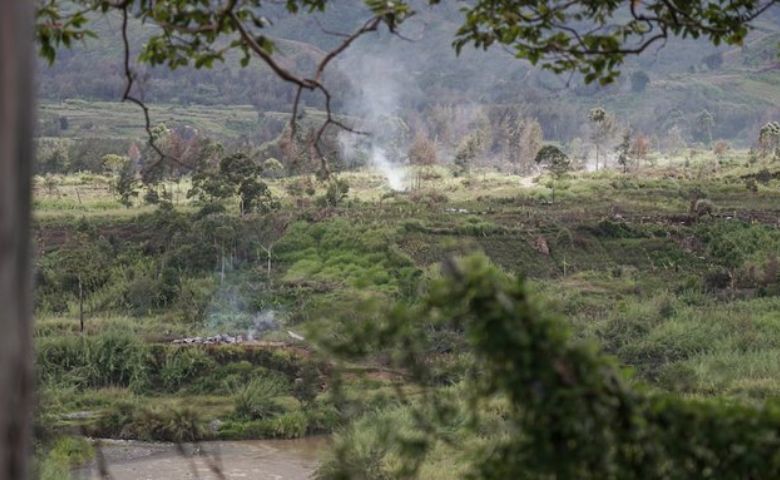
(623, 150)
(602, 129)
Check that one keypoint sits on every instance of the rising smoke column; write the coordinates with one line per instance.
(375, 100)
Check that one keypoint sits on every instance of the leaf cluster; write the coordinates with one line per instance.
(569, 412)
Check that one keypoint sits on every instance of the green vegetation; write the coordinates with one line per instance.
(687, 301)
(66, 453)
(543, 404)
(558, 283)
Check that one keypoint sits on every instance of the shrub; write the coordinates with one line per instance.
(170, 425)
(612, 229)
(307, 385)
(128, 420)
(428, 197)
(66, 453)
(182, 365)
(568, 410)
(717, 279)
(194, 298)
(256, 399)
(109, 359)
(273, 168)
(151, 197)
(733, 243)
(363, 449)
(142, 295)
(323, 417)
(290, 425)
(335, 193)
(703, 207)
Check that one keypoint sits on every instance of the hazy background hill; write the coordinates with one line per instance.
(739, 87)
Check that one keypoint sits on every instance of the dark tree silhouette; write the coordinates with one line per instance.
(16, 107)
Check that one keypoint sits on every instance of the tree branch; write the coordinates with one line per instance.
(127, 96)
(315, 83)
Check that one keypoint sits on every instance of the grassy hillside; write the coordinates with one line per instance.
(194, 308)
(688, 301)
(124, 120)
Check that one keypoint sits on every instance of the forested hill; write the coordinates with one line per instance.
(739, 87)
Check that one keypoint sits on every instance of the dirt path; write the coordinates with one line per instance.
(252, 460)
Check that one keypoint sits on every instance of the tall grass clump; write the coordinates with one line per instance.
(65, 454)
(132, 420)
(180, 366)
(108, 359)
(257, 398)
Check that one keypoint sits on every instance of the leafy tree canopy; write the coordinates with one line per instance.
(235, 175)
(592, 38)
(554, 160)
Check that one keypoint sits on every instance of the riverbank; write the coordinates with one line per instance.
(256, 459)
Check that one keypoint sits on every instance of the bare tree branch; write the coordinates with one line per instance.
(329, 32)
(370, 26)
(293, 123)
(127, 96)
(304, 83)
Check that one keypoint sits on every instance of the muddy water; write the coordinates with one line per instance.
(251, 460)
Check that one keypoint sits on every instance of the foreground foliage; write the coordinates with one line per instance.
(569, 412)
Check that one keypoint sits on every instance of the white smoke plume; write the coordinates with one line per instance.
(377, 85)
(262, 322)
(395, 174)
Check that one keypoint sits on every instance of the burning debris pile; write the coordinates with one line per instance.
(214, 340)
(262, 323)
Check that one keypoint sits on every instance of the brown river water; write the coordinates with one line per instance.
(250, 460)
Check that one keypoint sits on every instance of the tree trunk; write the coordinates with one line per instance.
(81, 307)
(268, 265)
(16, 124)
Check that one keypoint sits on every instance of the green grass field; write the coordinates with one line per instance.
(688, 303)
(124, 120)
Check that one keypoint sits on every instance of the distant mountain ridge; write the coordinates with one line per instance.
(740, 87)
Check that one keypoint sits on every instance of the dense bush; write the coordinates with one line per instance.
(162, 261)
(110, 359)
(338, 252)
(734, 242)
(257, 399)
(121, 359)
(180, 366)
(129, 420)
(335, 193)
(62, 456)
(569, 413)
(87, 154)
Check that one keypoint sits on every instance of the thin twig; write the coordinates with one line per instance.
(304, 83)
(127, 96)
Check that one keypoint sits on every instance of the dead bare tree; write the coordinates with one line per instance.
(16, 127)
